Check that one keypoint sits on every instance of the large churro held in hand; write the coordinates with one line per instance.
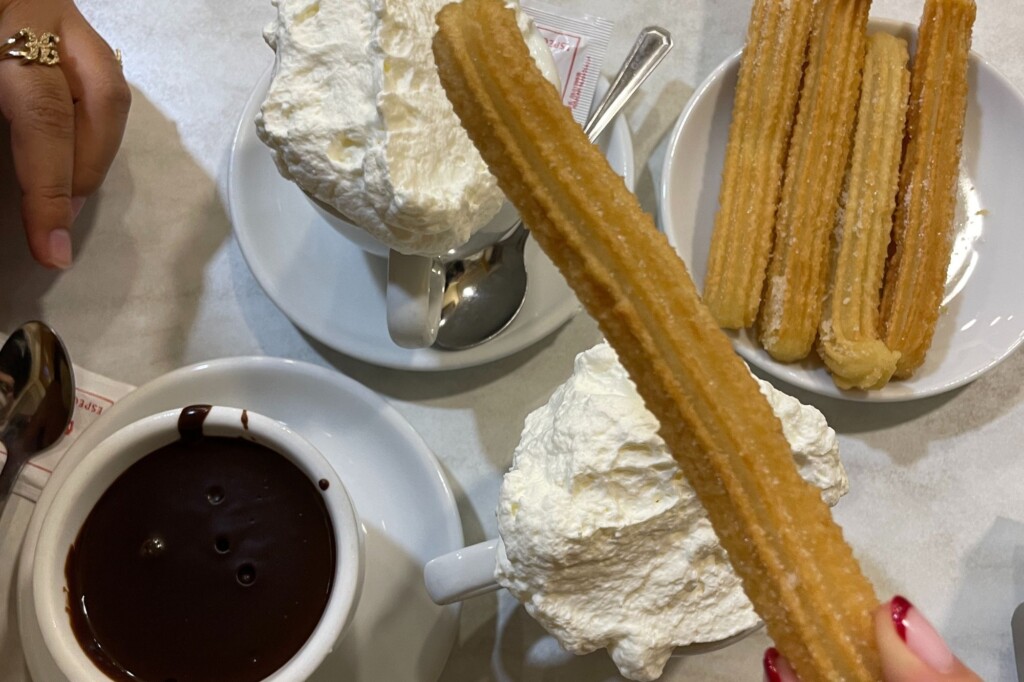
(796, 568)
(923, 230)
(818, 154)
(849, 342)
(763, 109)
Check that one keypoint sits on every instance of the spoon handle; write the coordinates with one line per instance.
(650, 48)
(8, 477)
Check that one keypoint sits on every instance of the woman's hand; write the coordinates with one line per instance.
(66, 120)
(910, 648)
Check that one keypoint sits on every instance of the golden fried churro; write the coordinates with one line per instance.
(818, 153)
(848, 337)
(923, 229)
(796, 568)
(762, 118)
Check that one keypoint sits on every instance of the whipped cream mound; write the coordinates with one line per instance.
(357, 117)
(605, 542)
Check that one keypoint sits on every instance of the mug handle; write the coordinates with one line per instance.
(414, 295)
(464, 573)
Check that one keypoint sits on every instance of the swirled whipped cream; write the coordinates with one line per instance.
(605, 542)
(357, 117)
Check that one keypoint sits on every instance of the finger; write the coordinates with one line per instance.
(912, 650)
(101, 98)
(37, 102)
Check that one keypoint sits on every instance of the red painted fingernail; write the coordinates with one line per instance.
(899, 609)
(921, 638)
(771, 671)
(777, 668)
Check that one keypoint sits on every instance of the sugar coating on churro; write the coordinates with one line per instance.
(849, 343)
(923, 231)
(818, 154)
(766, 95)
(796, 568)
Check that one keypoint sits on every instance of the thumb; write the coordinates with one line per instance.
(912, 650)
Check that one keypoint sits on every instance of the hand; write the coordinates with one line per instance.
(66, 121)
(910, 648)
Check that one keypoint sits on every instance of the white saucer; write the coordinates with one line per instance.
(402, 497)
(983, 320)
(334, 291)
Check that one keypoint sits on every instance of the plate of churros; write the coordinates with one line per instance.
(811, 211)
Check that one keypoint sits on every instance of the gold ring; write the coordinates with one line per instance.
(117, 56)
(24, 44)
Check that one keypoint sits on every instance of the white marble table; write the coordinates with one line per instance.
(936, 508)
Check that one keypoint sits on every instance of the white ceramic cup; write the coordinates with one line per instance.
(87, 482)
(415, 284)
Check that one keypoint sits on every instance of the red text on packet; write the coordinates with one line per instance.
(559, 41)
(88, 405)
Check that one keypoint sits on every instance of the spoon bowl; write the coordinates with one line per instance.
(37, 397)
(484, 292)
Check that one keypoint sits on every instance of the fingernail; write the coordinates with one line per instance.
(76, 206)
(921, 638)
(60, 249)
(777, 668)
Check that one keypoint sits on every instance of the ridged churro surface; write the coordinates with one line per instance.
(923, 229)
(796, 568)
(818, 154)
(849, 341)
(762, 118)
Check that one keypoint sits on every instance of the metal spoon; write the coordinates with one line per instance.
(37, 397)
(484, 292)
(1017, 630)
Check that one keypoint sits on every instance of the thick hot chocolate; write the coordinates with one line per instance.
(209, 559)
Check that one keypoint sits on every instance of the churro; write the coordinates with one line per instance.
(848, 340)
(763, 109)
(818, 154)
(796, 568)
(923, 229)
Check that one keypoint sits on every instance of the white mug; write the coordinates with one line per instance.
(63, 657)
(415, 284)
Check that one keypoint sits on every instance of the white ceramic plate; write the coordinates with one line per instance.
(334, 291)
(983, 319)
(400, 493)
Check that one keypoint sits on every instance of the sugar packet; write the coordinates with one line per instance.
(578, 45)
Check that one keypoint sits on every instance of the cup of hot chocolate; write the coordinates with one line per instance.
(204, 543)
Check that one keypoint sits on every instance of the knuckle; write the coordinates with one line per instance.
(44, 192)
(115, 93)
(50, 112)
